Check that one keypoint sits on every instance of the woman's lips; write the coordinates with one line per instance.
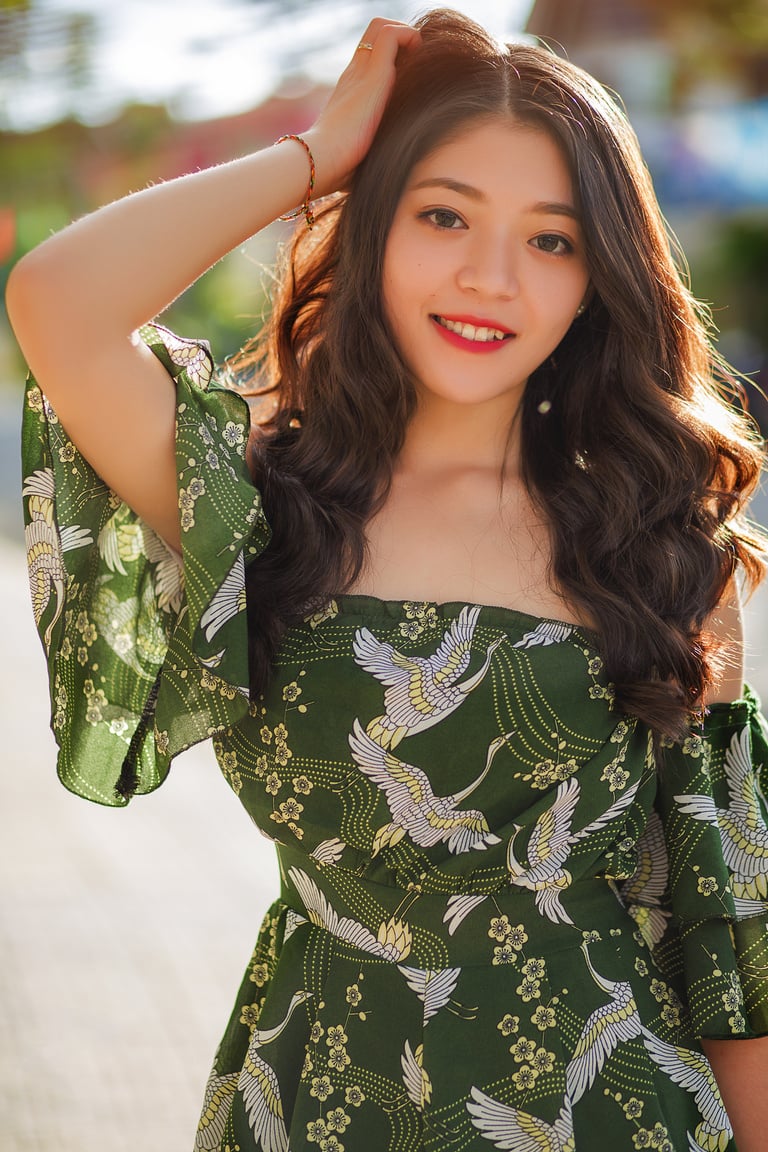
(472, 334)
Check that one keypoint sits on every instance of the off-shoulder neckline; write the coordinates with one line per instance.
(360, 604)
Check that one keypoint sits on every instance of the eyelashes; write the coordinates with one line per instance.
(446, 220)
(554, 244)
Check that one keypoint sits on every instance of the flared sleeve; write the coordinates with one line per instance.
(709, 927)
(147, 650)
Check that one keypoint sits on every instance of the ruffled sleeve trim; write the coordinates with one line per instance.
(713, 811)
(147, 652)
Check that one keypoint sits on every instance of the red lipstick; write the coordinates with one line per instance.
(478, 346)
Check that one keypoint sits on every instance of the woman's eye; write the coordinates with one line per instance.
(443, 218)
(554, 244)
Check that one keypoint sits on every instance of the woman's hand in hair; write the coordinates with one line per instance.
(343, 132)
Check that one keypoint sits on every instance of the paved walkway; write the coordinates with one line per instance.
(123, 933)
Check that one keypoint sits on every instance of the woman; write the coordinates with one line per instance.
(475, 661)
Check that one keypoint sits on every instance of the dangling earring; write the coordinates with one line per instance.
(581, 309)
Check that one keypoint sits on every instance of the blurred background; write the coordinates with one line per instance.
(123, 934)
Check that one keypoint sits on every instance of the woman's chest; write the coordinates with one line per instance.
(454, 546)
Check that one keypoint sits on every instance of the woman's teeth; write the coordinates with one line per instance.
(470, 332)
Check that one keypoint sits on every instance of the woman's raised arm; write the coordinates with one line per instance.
(76, 300)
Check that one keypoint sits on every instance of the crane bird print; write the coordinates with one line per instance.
(416, 810)
(421, 690)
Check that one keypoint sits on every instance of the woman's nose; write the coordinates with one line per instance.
(490, 268)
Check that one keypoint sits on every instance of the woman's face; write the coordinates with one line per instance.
(484, 267)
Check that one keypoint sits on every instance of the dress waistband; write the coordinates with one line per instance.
(434, 930)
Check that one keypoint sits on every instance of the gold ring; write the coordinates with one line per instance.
(365, 46)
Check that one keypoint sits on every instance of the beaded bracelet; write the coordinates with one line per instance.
(305, 209)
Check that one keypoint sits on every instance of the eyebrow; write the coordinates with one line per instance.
(541, 208)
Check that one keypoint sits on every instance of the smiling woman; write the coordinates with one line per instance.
(460, 614)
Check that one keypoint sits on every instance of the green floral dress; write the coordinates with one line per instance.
(499, 925)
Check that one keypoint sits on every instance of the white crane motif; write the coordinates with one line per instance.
(692, 1070)
(392, 941)
(518, 1131)
(435, 987)
(416, 810)
(45, 546)
(605, 1028)
(260, 1089)
(742, 826)
(643, 891)
(550, 844)
(217, 1105)
(421, 690)
(417, 1082)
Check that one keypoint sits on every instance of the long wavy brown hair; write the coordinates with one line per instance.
(645, 461)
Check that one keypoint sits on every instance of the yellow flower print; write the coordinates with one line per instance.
(297, 831)
(281, 733)
(262, 765)
(518, 937)
(291, 809)
(307, 1066)
(670, 1014)
(337, 1119)
(90, 635)
(316, 1131)
(321, 1088)
(500, 928)
(208, 681)
(282, 754)
(331, 1144)
(316, 1032)
(273, 784)
(162, 742)
(659, 991)
(354, 995)
(415, 610)
(525, 1077)
(67, 453)
(338, 1059)
(336, 1037)
(249, 1015)
(265, 732)
(523, 1050)
(291, 692)
(229, 761)
(543, 1017)
(534, 968)
(543, 1061)
(303, 785)
(529, 990)
(504, 954)
(187, 519)
(96, 701)
(354, 1095)
(508, 1024)
(35, 399)
(706, 885)
(633, 1109)
(411, 629)
(233, 434)
(259, 974)
(82, 656)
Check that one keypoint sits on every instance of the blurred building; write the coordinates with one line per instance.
(693, 76)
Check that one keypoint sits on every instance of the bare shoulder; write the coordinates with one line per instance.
(727, 624)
